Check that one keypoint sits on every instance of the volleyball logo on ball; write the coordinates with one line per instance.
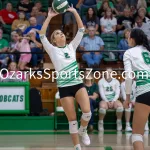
(60, 6)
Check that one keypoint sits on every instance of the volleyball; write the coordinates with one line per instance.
(60, 6)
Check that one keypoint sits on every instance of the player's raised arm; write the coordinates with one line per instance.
(76, 41)
(78, 19)
(46, 44)
(51, 14)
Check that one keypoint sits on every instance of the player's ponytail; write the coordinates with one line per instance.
(140, 38)
(146, 43)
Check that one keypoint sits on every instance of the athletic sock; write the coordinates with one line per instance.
(100, 121)
(82, 129)
(77, 147)
(118, 120)
(127, 124)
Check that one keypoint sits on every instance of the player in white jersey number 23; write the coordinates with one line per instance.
(137, 59)
(70, 84)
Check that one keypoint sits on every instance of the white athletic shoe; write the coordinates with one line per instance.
(85, 137)
(119, 126)
(128, 129)
(146, 127)
(100, 126)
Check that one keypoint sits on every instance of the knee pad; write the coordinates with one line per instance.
(86, 116)
(137, 138)
(119, 109)
(128, 110)
(73, 127)
(102, 111)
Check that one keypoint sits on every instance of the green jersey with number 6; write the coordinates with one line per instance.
(137, 59)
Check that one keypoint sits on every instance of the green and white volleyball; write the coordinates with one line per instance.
(60, 6)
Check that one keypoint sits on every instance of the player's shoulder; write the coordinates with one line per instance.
(134, 49)
(123, 83)
(101, 81)
(115, 80)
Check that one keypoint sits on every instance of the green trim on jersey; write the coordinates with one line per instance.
(110, 97)
(142, 77)
(62, 46)
(69, 66)
(69, 75)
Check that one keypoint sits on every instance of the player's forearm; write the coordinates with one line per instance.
(103, 96)
(45, 25)
(116, 95)
(78, 19)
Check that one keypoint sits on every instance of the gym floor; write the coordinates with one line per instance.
(110, 140)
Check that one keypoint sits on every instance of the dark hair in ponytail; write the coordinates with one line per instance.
(140, 38)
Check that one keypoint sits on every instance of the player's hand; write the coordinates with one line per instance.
(133, 103)
(127, 104)
(52, 13)
(71, 9)
(110, 104)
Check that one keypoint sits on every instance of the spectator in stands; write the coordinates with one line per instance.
(38, 4)
(82, 4)
(104, 6)
(14, 75)
(21, 23)
(16, 54)
(108, 22)
(22, 45)
(141, 3)
(125, 21)
(93, 92)
(33, 25)
(7, 15)
(35, 46)
(91, 43)
(119, 6)
(109, 89)
(123, 44)
(143, 26)
(131, 2)
(38, 15)
(133, 11)
(91, 19)
(142, 14)
(26, 6)
(3, 48)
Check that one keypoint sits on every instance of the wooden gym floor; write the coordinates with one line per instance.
(61, 141)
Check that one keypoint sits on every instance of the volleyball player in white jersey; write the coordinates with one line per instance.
(109, 89)
(132, 103)
(69, 82)
(137, 59)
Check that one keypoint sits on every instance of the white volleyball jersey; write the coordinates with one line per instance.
(64, 60)
(137, 59)
(109, 91)
(133, 93)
